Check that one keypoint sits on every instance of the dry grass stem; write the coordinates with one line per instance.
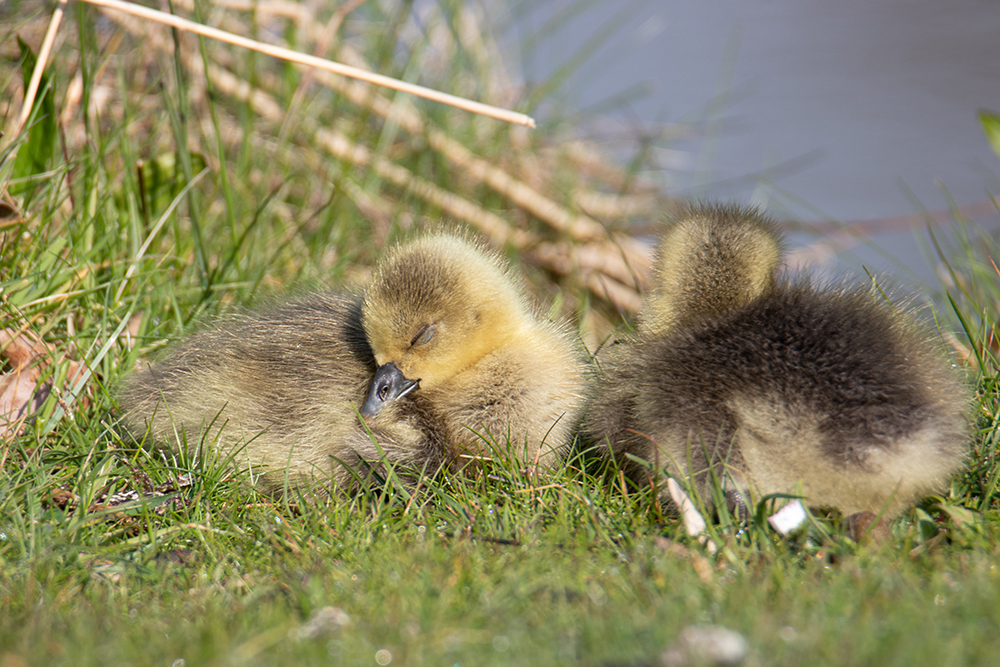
(625, 261)
(319, 63)
(36, 75)
(604, 268)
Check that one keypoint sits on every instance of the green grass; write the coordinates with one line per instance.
(118, 253)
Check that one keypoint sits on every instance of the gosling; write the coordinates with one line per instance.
(775, 387)
(278, 390)
(447, 321)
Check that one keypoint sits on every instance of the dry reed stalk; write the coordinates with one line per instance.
(321, 35)
(342, 147)
(840, 237)
(36, 74)
(313, 61)
(471, 37)
(291, 10)
(377, 210)
(899, 223)
(602, 267)
(327, 34)
(606, 205)
(627, 260)
(590, 261)
(40, 62)
(586, 159)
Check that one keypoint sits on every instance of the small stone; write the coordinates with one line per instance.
(324, 622)
(705, 645)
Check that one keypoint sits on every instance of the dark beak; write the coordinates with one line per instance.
(388, 385)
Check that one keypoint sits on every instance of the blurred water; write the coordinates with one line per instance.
(848, 110)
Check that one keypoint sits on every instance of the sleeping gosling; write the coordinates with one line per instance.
(775, 387)
(279, 390)
(447, 321)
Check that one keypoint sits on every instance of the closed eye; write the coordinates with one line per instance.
(423, 336)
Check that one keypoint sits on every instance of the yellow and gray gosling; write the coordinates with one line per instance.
(448, 322)
(779, 387)
(279, 389)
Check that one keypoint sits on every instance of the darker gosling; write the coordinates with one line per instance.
(776, 386)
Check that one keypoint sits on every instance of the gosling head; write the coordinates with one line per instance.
(711, 259)
(435, 307)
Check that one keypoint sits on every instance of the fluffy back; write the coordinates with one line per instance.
(711, 259)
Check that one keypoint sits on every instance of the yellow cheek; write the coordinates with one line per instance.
(391, 353)
(416, 366)
(406, 368)
(409, 364)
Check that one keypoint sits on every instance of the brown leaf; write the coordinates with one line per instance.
(18, 399)
(20, 351)
(132, 329)
(699, 563)
(63, 499)
(9, 211)
(20, 392)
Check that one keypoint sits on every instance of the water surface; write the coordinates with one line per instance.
(847, 111)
